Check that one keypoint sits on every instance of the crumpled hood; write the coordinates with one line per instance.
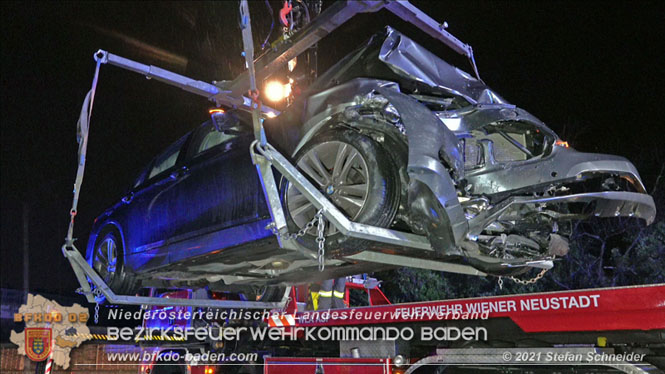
(412, 61)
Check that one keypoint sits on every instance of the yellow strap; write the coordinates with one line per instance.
(325, 293)
(338, 294)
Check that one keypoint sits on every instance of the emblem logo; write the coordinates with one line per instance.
(37, 343)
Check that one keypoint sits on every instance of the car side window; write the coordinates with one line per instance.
(212, 138)
(167, 159)
(208, 137)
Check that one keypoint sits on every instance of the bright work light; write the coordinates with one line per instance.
(276, 91)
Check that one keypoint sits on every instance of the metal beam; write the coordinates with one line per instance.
(409, 13)
(325, 23)
(330, 211)
(420, 263)
(207, 90)
(82, 270)
(332, 18)
(149, 71)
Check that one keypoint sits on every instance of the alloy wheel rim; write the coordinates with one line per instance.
(107, 258)
(340, 172)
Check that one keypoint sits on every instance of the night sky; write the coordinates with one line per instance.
(593, 71)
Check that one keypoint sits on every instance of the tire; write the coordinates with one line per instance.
(108, 260)
(269, 293)
(366, 188)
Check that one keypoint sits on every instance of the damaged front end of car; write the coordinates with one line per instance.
(489, 184)
(506, 183)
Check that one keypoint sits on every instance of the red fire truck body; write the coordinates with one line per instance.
(546, 326)
(607, 330)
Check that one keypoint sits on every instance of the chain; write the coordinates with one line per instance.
(97, 293)
(532, 280)
(524, 282)
(321, 240)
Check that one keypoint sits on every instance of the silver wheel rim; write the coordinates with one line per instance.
(106, 258)
(340, 172)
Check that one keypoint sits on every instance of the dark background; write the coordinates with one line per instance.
(591, 70)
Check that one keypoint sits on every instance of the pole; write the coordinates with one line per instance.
(26, 248)
(248, 51)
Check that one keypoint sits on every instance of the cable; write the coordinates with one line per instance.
(272, 25)
(290, 14)
(306, 11)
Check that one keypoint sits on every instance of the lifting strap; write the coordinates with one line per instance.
(82, 128)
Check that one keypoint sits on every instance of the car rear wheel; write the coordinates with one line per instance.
(108, 261)
(358, 177)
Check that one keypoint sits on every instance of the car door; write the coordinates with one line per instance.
(221, 189)
(149, 221)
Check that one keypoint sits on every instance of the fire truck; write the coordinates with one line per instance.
(606, 330)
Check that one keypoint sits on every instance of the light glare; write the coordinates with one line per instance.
(292, 63)
(453, 124)
(276, 91)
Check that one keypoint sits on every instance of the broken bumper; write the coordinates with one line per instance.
(607, 204)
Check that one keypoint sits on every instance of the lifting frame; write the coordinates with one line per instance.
(264, 156)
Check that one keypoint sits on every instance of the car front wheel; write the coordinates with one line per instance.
(356, 174)
(108, 261)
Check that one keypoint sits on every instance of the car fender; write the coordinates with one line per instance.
(321, 107)
(432, 193)
(94, 234)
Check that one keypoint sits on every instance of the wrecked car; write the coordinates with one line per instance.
(394, 137)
